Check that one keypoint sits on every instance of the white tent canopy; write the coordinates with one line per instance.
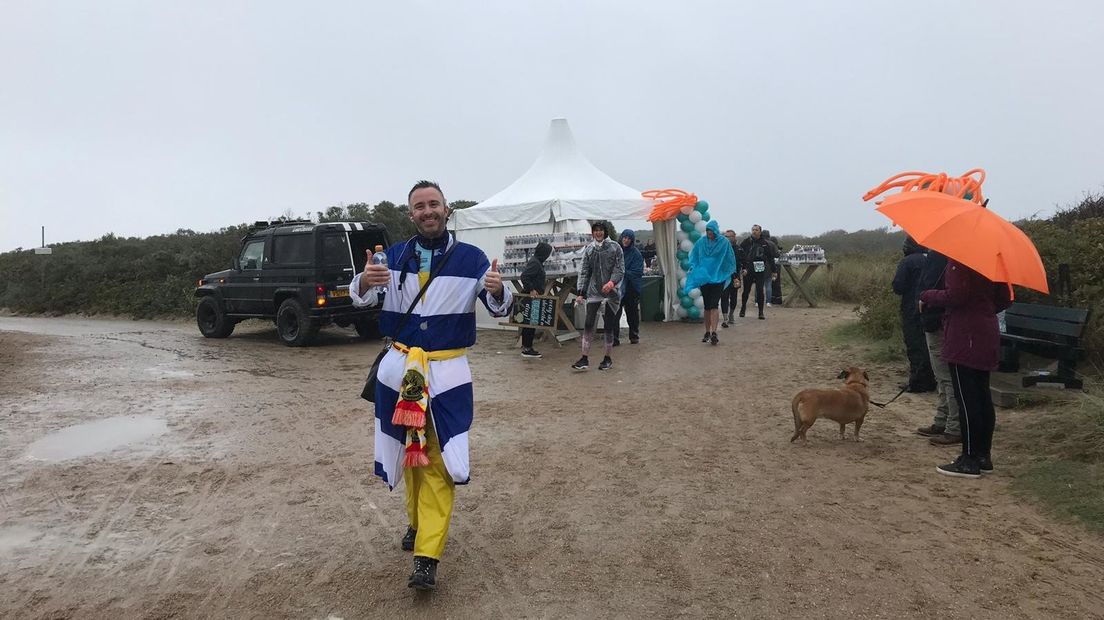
(560, 192)
(561, 185)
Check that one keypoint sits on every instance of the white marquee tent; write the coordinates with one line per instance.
(560, 192)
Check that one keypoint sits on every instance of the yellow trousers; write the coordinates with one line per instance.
(429, 494)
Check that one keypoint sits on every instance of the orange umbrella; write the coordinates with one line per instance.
(970, 234)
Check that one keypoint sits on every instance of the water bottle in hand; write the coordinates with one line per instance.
(379, 258)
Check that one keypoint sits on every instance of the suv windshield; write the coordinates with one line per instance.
(251, 254)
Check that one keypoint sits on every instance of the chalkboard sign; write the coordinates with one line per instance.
(534, 311)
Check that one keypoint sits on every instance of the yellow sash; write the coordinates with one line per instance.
(413, 401)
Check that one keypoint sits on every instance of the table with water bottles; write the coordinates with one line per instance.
(805, 259)
(561, 272)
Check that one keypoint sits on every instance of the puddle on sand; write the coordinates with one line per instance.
(170, 373)
(12, 538)
(100, 436)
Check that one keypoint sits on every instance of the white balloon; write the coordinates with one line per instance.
(687, 210)
(681, 312)
(688, 245)
(682, 235)
(682, 274)
(682, 282)
(700, 303)
(695, 216)
(675, 306)
(695, 293)
(700, 226)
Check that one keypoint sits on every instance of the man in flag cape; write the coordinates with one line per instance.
(423, 400)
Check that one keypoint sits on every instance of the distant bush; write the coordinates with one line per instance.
(838, 243)
(140, 278)
(1078, 243)
(865, 281)
(150, 277)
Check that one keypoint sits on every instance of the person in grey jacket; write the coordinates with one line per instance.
(600, 277)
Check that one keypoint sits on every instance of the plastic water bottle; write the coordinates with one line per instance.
(379, 258)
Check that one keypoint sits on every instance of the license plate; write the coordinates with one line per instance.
(339, 293)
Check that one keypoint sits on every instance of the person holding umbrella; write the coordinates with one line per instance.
(986, 255)
(971, 348)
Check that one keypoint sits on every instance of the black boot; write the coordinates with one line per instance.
(424, 576)
(408, 539)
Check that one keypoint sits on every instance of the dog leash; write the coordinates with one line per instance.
(882, 405)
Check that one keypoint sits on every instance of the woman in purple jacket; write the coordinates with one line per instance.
(971, 347)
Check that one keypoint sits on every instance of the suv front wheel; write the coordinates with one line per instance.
(295, 327)
(212, 321)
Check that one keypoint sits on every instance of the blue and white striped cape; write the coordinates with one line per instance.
(443, 319)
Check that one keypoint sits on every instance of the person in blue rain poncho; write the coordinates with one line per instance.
(712, 263)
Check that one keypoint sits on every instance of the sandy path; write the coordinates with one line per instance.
(665, 487)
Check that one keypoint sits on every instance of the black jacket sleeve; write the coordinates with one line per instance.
(532, 277)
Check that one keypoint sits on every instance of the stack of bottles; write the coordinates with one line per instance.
(567, 253)
(804, 255)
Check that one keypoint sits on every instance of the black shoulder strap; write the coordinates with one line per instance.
(421, 291)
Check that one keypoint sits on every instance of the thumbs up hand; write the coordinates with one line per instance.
(373, 274)
(492, 281)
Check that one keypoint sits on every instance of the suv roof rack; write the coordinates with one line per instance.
(271, 224)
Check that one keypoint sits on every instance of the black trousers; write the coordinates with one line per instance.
(975, 409)
(758, 280)
(630, 306)
(729, 298)
(527, 337)
(921, 376)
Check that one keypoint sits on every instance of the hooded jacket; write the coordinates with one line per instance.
(906, 282)
(602, 262)
(931, 278)
(971, 335)
(634, 264)
(712, 261)
(533, 276)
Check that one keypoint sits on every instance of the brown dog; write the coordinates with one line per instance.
(845, 405)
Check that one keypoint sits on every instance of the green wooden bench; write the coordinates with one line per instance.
(1052, 332)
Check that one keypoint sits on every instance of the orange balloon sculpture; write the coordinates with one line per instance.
(674, 201)
(967, 186)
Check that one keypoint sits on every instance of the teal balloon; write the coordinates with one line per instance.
(694, 235)
(682, 255)
(706, 217)
(702, 206)
(682, 218)
(686, 302)
(687, 226)
(693, 312)
(685, 264)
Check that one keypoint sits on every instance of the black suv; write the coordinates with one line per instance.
(296, 273)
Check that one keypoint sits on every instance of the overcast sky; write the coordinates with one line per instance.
(140, 118)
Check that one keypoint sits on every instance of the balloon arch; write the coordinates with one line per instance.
(691, 216)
